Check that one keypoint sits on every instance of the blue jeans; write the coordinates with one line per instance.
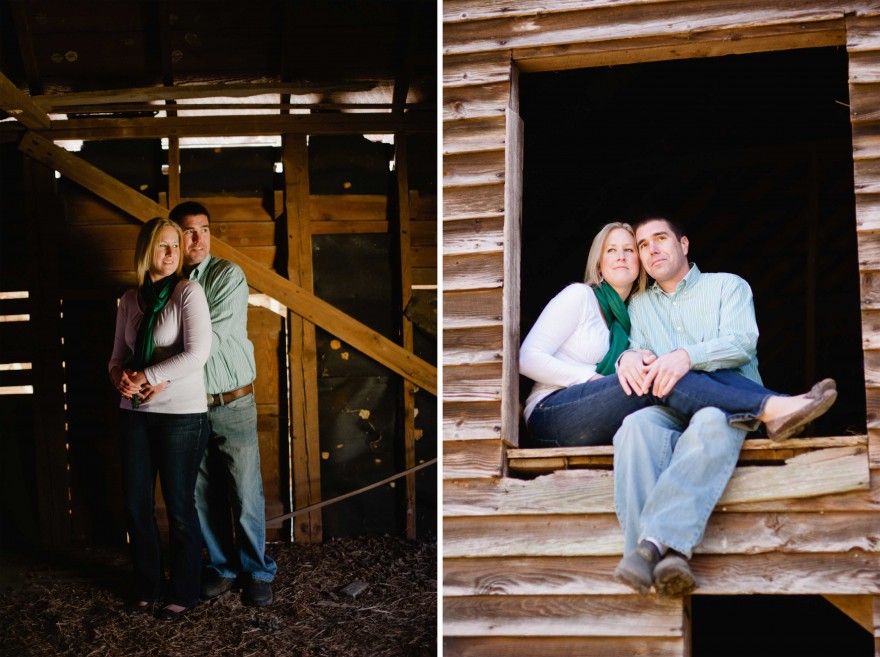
(230, 478)
(589, 413)
(669, 474)
(172, 446)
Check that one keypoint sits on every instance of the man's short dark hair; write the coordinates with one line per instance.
(645, 218)
(187, 209)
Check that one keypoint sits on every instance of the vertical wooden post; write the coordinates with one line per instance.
(513, 181)
(302, 351)
(409, 389)
(173, 171)
(44, 217)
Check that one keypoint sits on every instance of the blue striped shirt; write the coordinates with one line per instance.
(231, 363)
(711, 316)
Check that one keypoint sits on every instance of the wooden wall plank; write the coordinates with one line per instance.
(868, 205)
(556, 646)
(872, 367)
(864, 67)
(484, 101)
(424, 233)
(465, 383)
(469, 169)
(874, 450)
(480, 235)
(690, 18)
(469, 70)
(472, 346)
(624, 615)
(870, 286)
(770, 573)
(475, 135)
(460, 11)
(471, 421)
(864, 102)
(711, 43)
(123, 236)
(870, 329)
(812, 475)
(471, 202)
(479, 458)
(867, 171)
(471, 308)
(869, 251)
(473, 272)
(600, 534)
(861, 33)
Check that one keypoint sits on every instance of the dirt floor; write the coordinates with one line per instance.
(74, 606)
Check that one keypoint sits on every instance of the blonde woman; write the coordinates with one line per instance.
(163, 339)
(572, 350)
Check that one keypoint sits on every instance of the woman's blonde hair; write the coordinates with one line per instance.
(592, 275)
(148, 242)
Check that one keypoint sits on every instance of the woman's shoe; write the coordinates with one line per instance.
(817, 390)
(170, 616)
(137, 608)
(788, 425)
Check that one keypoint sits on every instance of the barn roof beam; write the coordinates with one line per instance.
(21, 106)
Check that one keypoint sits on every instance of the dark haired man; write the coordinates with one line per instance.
(229, 476)
(670, 470)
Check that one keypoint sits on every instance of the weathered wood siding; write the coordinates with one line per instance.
(528, 564)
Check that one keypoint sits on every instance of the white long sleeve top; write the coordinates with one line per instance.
(565, 345)
(183, 342)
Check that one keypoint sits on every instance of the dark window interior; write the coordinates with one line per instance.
(752, 154)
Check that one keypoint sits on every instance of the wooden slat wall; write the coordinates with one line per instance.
(526, 562)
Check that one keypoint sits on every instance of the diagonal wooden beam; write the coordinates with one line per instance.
(295, 298)
(17, 104)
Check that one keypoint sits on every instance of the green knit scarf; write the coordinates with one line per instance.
(614, 310)
(154, 296)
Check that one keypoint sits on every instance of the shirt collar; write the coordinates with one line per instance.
(200, 268)
(688, 281)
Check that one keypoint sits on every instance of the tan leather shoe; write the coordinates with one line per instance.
(786, 426)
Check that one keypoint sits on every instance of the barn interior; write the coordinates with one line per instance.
(752, 155)
(309, 130)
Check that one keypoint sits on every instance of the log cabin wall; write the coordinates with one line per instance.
(527, 564)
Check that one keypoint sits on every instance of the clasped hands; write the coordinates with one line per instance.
(640, 371)
(129, 382)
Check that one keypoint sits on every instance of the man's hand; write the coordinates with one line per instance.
(632, 371)
(148, 392)
(667, 370)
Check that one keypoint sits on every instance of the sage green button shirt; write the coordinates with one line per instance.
(711, 316)
(231, 362)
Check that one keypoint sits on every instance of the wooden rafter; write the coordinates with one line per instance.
(242, 126)
(292, 296)
(57, 102)
(17, 104)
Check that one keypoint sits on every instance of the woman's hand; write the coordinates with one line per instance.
(632, 371)
(149, 391)
(127, 382)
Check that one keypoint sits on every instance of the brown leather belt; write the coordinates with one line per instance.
(226, 397)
